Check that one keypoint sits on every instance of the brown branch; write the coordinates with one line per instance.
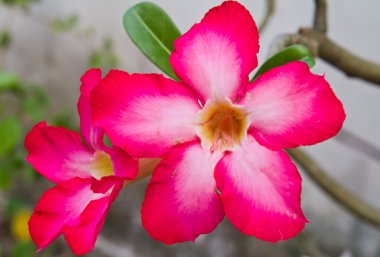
(321, 46)
(270, 7)
(358, 144)
(335, 190)
(285, 40)
(320, 16)
(351, 64)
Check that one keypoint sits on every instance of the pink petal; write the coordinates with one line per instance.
(124, 166)
(144, 114)
(61, 207)
(260, 190)
(180, 201)
(56, 152)
(82, 238)
(288, 106)
(91, 134)
(216, 56)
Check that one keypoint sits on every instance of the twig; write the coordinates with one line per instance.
(320, 16)
(285, 40)
(358, 144)
(334, 189)
(270, 7)
(352, 65)
(321, 46)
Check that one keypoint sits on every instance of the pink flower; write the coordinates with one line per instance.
(221, 137)
(88, 177)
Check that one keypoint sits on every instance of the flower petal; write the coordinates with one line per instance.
(260, 190)
(91, 134)
(216, 56)
(124, 166)
(288, 106)
(82, 238)
(180, 201)
(59, 207)
(56, 152)
(144, 114)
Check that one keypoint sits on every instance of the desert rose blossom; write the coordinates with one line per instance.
(88, 175)
(221, 137)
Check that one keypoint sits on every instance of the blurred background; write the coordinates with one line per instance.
(45, 47)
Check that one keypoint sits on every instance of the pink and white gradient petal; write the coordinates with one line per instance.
(144, 114)
(59, 207)
(57, 153)
(180, 201)
(91, 134)
(216, 56)
(260, 190)
(82, 238)
(289, 106)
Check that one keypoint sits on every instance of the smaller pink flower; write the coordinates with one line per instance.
(88, 175)
(221, 137)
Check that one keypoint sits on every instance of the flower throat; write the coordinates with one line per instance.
(222, 125)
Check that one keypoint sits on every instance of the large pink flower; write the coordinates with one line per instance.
(88, 177)
(221, 137)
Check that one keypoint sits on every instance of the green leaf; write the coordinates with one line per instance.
(289, 54)
(10, 134)
(153, 32)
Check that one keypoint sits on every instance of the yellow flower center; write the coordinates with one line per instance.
(101, 165)
(222, 125)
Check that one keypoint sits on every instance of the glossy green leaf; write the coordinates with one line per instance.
(10, 134)
(153, 32)
(289, 54)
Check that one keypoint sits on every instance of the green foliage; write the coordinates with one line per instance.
(5, 39)
(23, 249)
(66, 24)
(13, 206)
(10, 134)
(153, 32)
(9, 81)
(22, 3)
(35, 103)
(104, 58)
(289, 54)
